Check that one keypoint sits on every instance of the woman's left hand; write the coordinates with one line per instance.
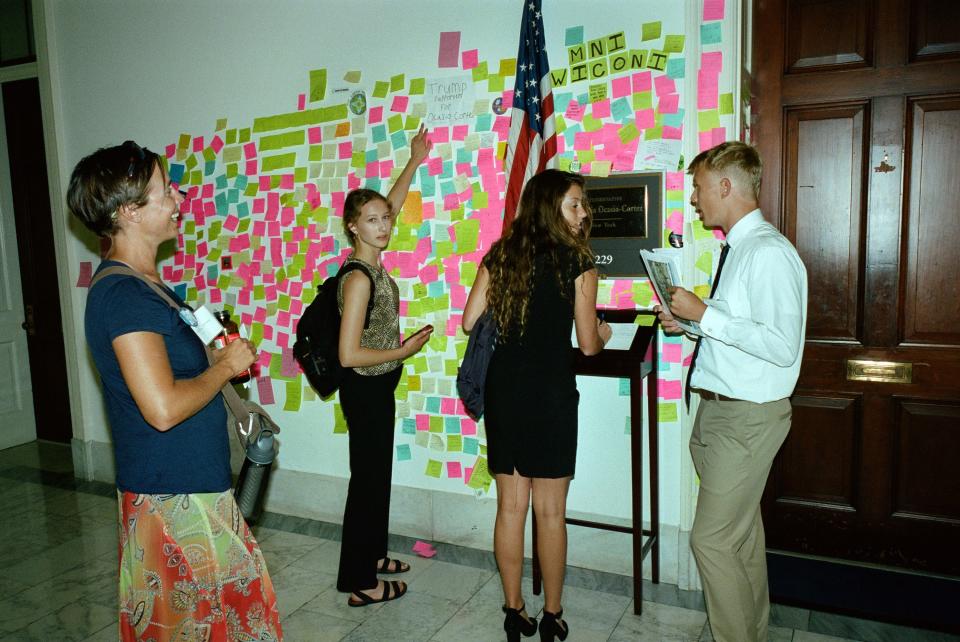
(420, 146)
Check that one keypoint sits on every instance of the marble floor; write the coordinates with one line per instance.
(58, 579)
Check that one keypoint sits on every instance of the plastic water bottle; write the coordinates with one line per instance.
(254, 474)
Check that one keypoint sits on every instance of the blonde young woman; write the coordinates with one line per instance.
(538, 281)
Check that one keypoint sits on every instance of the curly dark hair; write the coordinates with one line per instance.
(538, 227)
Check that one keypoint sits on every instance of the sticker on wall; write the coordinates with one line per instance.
(498, 107)
(358, 103)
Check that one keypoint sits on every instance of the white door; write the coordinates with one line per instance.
(17, 423)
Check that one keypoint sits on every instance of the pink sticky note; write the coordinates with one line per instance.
(672, 352)
(345, 150)
(399, 103)
(719, 135)
(713, 9)
(197, 144)
(675, 222)
(645, 119)
(708, 85)
(711, 60)
(601, 109)
(313, 135)
(669, 389)
(470, 59)
(301, 102)
(448, 406)
(641, 81)
(620, 86)
(468, 427)
(424, 549)
(376, 115)
(664, 85)
(705, 140)
(86, 273)
(250, 169)
(672, 133)
(449, 51)
(574, 111)
(674, 180)
(265, 391)
(454, 470)
(669, 104)
(460, 132)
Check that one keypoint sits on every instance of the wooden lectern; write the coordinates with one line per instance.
(635, 364)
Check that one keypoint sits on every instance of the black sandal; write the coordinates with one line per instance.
(384, 567)
(398, 590)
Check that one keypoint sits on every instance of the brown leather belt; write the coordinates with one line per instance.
(709, 395)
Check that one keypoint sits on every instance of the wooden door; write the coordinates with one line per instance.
(857, 115)
(37, 263)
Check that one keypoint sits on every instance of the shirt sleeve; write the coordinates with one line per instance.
(130, 306)
(774, 286)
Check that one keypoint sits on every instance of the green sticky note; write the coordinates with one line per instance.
(628, 133)
(673, 43)
(380, 89)
(318, 84)
(651, 30)
(352, 76)
(434, 468)
(705, 262)
(397, 82)
(480, 72)
(450, 367)
(642, 293)
(642, 100)
(667, 411)
(726, 103)
(708, 119)
(495, 84)
(339, 421)
(417, 86)
(700, 232)
(403, 452)
(454, 443)
(294, 396)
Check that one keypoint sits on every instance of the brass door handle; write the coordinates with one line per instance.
(881, 371)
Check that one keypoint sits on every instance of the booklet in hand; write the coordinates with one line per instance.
(663, 268)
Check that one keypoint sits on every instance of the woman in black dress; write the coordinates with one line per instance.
(538, 281)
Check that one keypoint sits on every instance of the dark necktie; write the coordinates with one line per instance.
(696, 348)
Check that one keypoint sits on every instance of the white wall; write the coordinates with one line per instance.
(150, 71)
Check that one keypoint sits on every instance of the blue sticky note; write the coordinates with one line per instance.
(379, 133)
(213, 272)
(181, 290)
(621, 109)
(470, 445)
(583, 99)
(428, 186)
(220, 200)
(209, 167)
(574, 36)
(243, 210)
(624, 387)
(424, 230)
(221, 181)
(398, 139)
(447, 170)
(370, 156)
(435, 288)
(710, 33)
(403, 452)
(447, 188)
(233, 196)
(560, 101)
(240, 182)
(464, 155)
(483, 122)
(676, 68)
(373, 183)
(451, 425)
(433, 405)
(673, 120)
(409, 426)
(176, 172)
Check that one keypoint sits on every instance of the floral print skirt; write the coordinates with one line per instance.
(190, 569)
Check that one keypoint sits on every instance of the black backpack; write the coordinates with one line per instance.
(318, 334)
(472, 375)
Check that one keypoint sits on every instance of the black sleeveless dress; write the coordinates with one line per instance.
(531, 398)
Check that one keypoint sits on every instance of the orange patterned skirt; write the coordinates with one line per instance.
(190, 569)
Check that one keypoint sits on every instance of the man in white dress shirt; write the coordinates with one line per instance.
(745, 367)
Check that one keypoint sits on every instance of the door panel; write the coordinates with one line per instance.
(860, 171)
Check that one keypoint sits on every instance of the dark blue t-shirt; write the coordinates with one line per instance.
(194, 455)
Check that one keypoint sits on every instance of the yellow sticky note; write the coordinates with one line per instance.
(508, 66)
(673, 43)
(434, 468)
(651, 30)
(352, 76)
(667, 411)
(318, 84)
(339, 421)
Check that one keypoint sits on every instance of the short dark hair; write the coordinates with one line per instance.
(740, 156)
(108, 179)
(355, 200)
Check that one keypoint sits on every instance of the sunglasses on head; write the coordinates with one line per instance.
(137, 156)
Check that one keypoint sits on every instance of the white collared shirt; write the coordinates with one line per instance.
(754, 326)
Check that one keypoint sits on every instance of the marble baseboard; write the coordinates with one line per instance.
(460, 519)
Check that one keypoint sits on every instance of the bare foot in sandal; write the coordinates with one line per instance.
(384, 592)
(389, 566)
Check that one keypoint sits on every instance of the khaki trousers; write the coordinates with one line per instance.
(733, 445)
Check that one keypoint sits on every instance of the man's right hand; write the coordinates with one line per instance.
(667, 322)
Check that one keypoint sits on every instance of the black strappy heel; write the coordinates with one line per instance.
(516, 622)
(552, 626)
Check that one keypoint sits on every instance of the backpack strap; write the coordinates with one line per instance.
(355, 265)
(243, 416)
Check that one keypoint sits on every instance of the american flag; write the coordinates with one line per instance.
(533, 139)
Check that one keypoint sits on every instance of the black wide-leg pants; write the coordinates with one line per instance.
(368, 406)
